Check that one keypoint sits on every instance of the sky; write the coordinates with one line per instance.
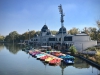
(21, 15)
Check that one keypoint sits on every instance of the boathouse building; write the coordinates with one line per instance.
(81, 41)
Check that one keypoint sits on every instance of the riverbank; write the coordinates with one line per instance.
(91, 62)
(95, 64)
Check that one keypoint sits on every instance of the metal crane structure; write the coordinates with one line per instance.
(62, 20)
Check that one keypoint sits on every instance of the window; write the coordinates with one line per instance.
(52, 39)
(68, 38)
(59, 39)
(31, 39)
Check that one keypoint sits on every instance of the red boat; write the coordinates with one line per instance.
(58, 54)
(44, 57)
(55, 61)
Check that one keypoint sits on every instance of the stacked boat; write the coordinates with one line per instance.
(52, 57)
(48, 58)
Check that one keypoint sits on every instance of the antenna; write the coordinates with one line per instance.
(61, 12)
(62, 20)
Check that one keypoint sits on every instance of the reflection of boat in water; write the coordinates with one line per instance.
(62, 66)
(44, 63)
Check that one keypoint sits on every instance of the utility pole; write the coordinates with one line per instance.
(62, 20)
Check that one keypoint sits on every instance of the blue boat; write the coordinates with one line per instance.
(61, 56)
(69, 59)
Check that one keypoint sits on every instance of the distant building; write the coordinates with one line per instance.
(81, 41)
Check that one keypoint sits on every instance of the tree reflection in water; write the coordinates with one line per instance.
(1, 46)
(80, 64)
(13, 48)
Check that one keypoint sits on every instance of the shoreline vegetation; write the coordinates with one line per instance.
(93, 59)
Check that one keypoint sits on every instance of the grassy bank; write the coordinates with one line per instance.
(95, 58)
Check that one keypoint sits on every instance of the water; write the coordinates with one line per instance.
(14, 61)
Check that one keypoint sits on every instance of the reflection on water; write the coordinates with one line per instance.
(80, 64)
(1, 46)
(13, 48)
(14, 61)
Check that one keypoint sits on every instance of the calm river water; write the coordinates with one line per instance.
(14, 61)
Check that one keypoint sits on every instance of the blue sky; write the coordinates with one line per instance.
(21, 15)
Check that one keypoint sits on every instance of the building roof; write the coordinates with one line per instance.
(81, 34)
(62, 30)
(48, 32)
(44, 28)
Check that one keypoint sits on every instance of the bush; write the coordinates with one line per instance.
(73, 50)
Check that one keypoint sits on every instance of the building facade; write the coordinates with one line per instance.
(81, 41)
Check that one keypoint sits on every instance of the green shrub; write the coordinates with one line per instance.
(73, 50)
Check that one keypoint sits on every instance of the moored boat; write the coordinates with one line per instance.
(49, 59)
(44, 57)
(55, 61)
(38, 56)
(69, 59)
(33, 54)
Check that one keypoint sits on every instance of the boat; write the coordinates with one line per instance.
(31, 51)
(38, 56)
(55, 61)
(62, 56)
(49, 59)
(44, 57)
(69, 59)
(35, 53)
(58, 54)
